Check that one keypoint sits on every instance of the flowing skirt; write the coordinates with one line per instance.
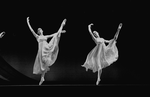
(37, 64)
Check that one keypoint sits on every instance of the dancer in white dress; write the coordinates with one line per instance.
(47, 52)
(101, 56)
(2, 34)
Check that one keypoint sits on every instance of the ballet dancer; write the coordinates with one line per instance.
(101, 56)
(47, 52)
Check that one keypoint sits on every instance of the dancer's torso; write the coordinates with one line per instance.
(42, 44)
(44, 47)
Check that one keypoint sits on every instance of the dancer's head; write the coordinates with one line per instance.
(40, 31)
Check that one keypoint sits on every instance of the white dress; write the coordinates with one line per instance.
(46, 56)
(38, 65)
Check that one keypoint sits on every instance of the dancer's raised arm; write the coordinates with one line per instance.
(2, 34)
(31, 28)
(96, 36)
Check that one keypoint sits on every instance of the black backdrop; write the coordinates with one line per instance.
(19, 47)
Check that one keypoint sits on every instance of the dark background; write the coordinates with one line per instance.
(19, 47)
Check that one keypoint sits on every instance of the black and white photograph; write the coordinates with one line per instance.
(73, 44)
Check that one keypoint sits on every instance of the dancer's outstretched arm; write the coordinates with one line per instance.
(2, 34)
(31, 28)
(49, 36)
